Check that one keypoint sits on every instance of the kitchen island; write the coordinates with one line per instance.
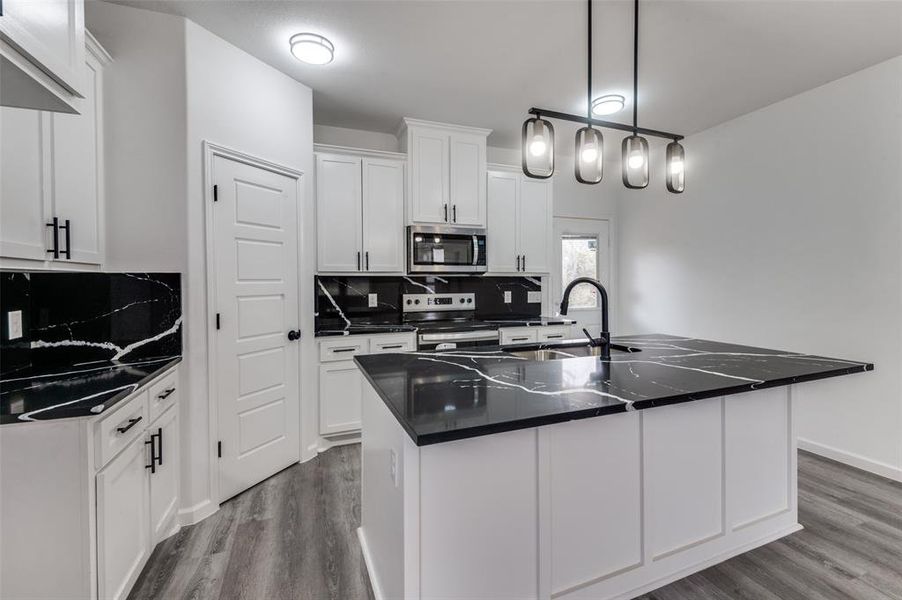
(543, 472)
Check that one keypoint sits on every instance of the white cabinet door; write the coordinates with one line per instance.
(383, 215)
(123, 527)
(164, 479)
(429, 175)
(340, 397)
(76, 177)
(46, 50)
(502, 218)
(535, 223)
(24, 158)
(468, 172)
(338, 213)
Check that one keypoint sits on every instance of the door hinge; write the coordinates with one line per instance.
(217, 320)
(219, 449)
(215, 193)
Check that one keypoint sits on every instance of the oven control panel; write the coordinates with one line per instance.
(437, 302)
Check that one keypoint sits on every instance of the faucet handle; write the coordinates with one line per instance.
(592, 341)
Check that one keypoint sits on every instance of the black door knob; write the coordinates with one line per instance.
(294, 334)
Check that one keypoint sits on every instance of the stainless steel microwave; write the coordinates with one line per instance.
(432, 249)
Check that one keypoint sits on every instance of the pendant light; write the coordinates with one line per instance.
(676, 168)
(634, 149)
(537, 148)
(588, 155)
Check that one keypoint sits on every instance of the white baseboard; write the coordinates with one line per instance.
(368, 561)
(852, 459)
(197, 513)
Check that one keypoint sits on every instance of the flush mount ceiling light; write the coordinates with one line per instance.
(312, 48)
(607, 104)
(538, 136)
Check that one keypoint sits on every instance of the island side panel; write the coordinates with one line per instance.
(388, 466)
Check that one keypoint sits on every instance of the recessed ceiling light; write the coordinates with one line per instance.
(607, 104)
(312, 48)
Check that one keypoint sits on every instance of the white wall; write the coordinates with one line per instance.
(355, 138)
(237, 101)
(788, 236)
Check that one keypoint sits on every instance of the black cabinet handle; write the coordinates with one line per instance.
(454, 213)
(446, 213)
(553, 337)
(367, 260)
(166, 393)
(159, 446)
(518, 262)
(55, 223)
(524, 262)
(294, 334)
(358, 260)
(131, 423)
(344, 349)
(520, 339)
(153, 454)
(393, 346)
(68, 250)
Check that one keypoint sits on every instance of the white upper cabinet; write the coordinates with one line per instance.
(42, 54)
(52, 167)
(520, 212)
(447, 166)
(359, 213)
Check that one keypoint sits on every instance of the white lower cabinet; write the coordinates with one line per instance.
(91, 495)
(123, 532)
(341, 383)
(526, 335)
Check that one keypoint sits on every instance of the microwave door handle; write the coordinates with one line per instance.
(475, 250)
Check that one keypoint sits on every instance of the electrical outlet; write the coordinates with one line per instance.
(507, 297)
(534, 297)
(394, 468)
(14, 324)
(373, 300)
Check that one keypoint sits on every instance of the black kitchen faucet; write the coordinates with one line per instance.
(604, 339)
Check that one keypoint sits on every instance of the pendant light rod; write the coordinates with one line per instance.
(553, 114)
(635, 65)
(589, 68)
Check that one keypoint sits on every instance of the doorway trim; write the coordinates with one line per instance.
(212, 150)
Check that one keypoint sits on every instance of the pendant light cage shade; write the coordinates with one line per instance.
(635, 161)
(537, 150)
(676, 168)
(588, 157)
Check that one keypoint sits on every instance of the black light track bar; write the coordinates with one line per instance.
(551, 114)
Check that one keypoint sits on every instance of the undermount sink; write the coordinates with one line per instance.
(564, 352)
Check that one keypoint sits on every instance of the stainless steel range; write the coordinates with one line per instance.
(447, 321)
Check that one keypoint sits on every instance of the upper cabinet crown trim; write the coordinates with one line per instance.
(333, 149)
(408, 122)
(96, 49)
(505, 168)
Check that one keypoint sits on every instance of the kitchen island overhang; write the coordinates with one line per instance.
(533, 498)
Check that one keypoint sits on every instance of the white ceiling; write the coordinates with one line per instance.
(484, 63)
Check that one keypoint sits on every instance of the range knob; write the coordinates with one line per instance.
(417, 301)
(409, 301)
(469, 300)
(461, 300)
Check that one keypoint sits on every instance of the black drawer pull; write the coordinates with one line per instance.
(344, 349)
(131, 423)
(393, 347)
(553, 337)
(520, 339)
(166, 393)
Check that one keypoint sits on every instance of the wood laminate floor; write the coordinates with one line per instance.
(294, 537)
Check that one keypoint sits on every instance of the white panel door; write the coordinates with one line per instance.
(123, 527)
(468, 174)
(255, 250)
(338, 213)
(24, 157)
(75, 173)
(501, 248)
(340, 397)
(534, 220)
(429, 176)
(383, 215)
(164, 480)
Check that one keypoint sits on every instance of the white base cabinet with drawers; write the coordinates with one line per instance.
(526, 335)
(341, 382)
(83, 501)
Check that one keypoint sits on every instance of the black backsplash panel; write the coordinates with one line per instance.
(350, 294)
(72, 318)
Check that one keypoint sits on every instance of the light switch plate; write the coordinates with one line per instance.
(373, 300)
(507, 297)
(14, 324)
(534, 297)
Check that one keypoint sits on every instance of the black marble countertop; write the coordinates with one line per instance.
(84, 390)
(456, 394)
(370, 328)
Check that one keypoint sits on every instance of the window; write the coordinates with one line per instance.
(579, 258)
